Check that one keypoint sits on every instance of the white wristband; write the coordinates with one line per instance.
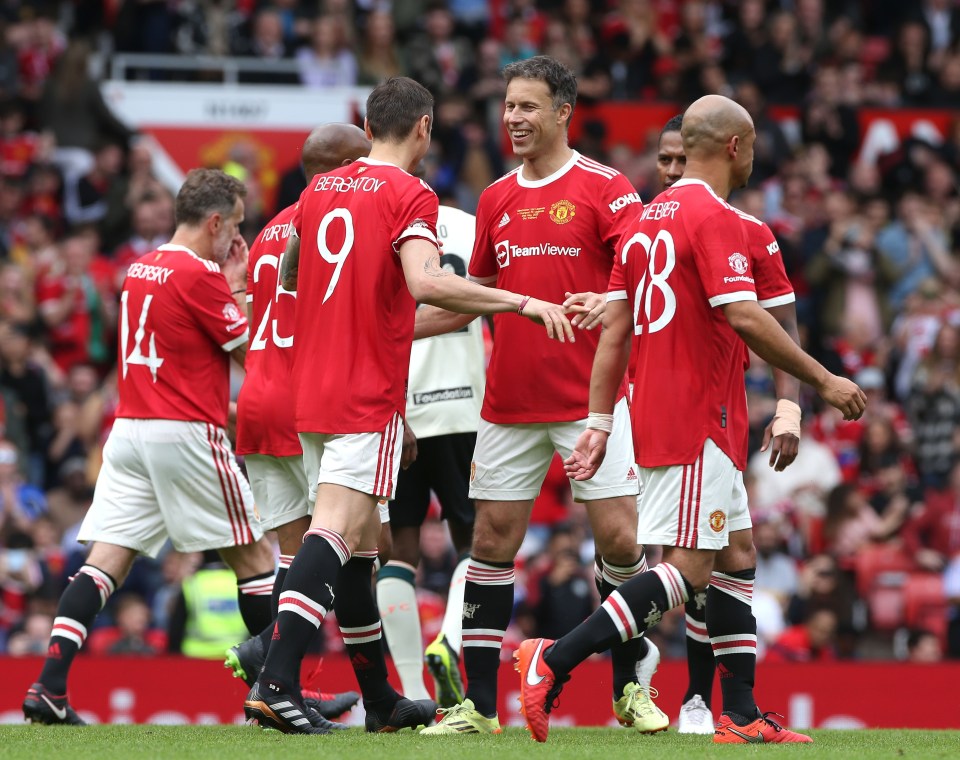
(787, 418)
(597, 421)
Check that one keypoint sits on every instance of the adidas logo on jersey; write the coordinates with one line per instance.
(504, 219)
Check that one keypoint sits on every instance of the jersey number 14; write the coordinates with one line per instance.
(136, 356)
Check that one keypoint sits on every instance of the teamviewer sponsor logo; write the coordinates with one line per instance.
(503, 253)
(447, 394)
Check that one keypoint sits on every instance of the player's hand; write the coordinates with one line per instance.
(235, 267)
(587, 455)
(408, 454)
(784, 450)
(594, 305)
(553, 317)
(844, 395)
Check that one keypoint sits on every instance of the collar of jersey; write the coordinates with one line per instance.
(173, 247)
(376, 162)
(550, 178)
(682, 182)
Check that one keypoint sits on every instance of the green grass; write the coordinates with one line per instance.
(247, 743)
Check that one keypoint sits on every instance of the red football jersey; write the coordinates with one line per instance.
(772, 284)
(265, 408)
(688, 255)
(543, 238)
(354, 316)
(178, 323)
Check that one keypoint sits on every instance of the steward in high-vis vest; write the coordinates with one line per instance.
(212, 621)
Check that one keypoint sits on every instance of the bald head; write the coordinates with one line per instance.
(710, 122)
(332, 145)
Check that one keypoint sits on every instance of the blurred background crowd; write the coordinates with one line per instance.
(858, 541)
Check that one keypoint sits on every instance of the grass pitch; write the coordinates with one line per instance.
(249, 743)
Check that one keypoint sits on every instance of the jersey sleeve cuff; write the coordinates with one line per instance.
(725, 298)
(238, 341)
(616, 295)
(414, 232)
(769, 303)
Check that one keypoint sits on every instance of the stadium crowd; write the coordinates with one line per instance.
(858, 541)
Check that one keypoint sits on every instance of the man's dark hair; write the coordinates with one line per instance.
(206, 192)
(395, 107)
(559, 79)
(673, 125)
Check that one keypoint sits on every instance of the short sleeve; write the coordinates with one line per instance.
(417, 216)
(251, 262)
(483, 262)
(619, 206)
(209, 300)
(721, 252)
(617, 286)
(772, 284)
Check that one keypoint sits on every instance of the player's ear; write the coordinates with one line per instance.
(733, 146)
(366, 129)
(423, 128)
(563, 114)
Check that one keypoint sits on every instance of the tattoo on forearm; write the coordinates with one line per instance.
(432, 267)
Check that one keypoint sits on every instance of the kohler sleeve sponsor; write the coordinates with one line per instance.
(447, 394)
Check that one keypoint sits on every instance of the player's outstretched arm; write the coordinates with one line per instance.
(782, 434)
(432, 320)
(430, 283)
(761, 332)
(609, 365)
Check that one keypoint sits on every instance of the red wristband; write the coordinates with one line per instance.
(523, 303)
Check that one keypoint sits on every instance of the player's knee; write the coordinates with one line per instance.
(619, 549)
(739, 554)
(495, 545)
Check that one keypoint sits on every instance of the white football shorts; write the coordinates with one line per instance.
(170, 478)
(511, 461)
(365, 462)
(279, 486)
(694, 506)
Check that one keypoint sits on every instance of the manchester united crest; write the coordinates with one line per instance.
(562, 212)
(738, 263)
(717, 520)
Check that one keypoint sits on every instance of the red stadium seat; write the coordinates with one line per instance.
(926, 604)
(881, 566)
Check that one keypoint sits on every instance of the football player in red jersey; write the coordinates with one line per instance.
(550, 227)
(368, 254)
(782, 435)
(168, 470)
(682, 265)
(266, 430)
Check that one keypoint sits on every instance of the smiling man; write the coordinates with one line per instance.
(550, 228)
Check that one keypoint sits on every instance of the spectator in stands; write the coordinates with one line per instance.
(378, 57)
(86, 198)
(437, 58)
(27, 382)
(851, 523)
(76, 305)
(9, 66)
(826, 119)
(150, 231)
(20, 502)
(933, 407)
(30, 639)
(909, 64)
(776, 570)
(916, 245)
(852, 279)
(822, 586)
(131, 633)
(932, 536)
(268, 43)
(74, 112)
(923, 647)
(812, 641)
(328, 61)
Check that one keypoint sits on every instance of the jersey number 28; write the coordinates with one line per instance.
(653, 279)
